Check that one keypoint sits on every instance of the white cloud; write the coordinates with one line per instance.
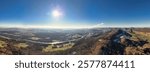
(98, 25)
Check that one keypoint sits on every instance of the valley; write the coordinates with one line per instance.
(97, 41)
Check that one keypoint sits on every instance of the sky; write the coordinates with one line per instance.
(74, 13)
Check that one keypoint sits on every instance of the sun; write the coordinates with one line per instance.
(56, 13)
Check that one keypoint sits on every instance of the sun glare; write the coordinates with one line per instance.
(56, 13)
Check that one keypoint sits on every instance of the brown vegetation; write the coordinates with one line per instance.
(115, 42)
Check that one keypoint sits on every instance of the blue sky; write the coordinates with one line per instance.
(75, 12)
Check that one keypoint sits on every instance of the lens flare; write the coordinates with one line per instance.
(56, 13)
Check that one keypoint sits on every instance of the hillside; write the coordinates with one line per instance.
(116, 41)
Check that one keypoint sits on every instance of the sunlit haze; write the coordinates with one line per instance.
(56, 13)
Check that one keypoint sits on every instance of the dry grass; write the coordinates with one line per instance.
(21, 45)
(143, 36)
(133, 51)
(3, 44)
(51, 49)
(140, 35)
